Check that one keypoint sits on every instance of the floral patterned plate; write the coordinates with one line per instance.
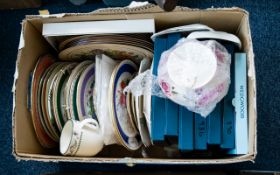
(44, 139)
(129, 136)
(84, 98)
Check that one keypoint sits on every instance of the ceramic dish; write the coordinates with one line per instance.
(43, 101)
(41, 109)
(115, 51)
(58, 95)
(43, 63)
(129, 110)
(122, 74)
(141, 120)
(49, 98)
(84, 101)
(117, 137)
(147, 105)
(110, 40)
(218, 35)
(97, 84)
(71, 90)
(133, 109)
(107, 42)
(145, 38)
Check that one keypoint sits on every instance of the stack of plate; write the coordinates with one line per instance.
(60, 91)
(65, 90)
(126, 111)
(117, 46)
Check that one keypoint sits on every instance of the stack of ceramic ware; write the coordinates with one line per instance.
(63, 91)
(60, 91)
(117, 46)
(64, 88)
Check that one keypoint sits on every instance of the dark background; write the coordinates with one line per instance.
(265, 25)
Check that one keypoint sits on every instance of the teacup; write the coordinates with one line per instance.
(81, 138)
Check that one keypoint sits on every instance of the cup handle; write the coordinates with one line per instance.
(94, 124)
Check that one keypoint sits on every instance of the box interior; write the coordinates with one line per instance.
(26, 145)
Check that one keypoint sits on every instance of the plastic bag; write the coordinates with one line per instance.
(194, 74)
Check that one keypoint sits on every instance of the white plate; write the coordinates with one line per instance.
(139, 106)
(180, 29)
(216, 35)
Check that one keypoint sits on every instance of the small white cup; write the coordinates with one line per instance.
(81, 138)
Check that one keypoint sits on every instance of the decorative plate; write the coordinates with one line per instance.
(40, 97)
(140, 39)
(115, 51)
(43, 101)
(123, 73)
(49, 98)
(58, 103)
(43, 63)
(129, 110)
(85, 88)
(71, 90)
(126, 41)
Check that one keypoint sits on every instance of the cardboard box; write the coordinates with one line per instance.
(32, 45)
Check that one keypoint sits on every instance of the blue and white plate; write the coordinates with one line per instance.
(127, 135)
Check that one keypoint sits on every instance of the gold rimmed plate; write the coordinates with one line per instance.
(43, 101)
(128, 136)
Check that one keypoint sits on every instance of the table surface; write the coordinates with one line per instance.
(265, 25)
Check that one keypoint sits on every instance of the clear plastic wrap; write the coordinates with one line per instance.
(194, 74)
